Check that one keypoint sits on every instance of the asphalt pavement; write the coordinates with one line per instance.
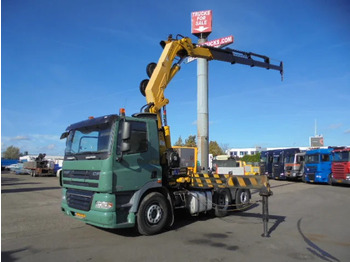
(307, 222)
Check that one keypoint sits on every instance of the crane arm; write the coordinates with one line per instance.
(178, 49)
(166, 69)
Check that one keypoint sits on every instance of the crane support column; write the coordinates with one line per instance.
(202, 111)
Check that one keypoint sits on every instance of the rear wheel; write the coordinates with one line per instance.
(223, 200)
(242, 198)
(153, 213)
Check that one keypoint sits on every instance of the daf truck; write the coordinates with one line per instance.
(120, 171)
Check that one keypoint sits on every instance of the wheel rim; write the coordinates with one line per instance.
(154, 214)
(244, 197)
(223, 201)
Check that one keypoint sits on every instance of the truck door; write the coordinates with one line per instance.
(140, 164)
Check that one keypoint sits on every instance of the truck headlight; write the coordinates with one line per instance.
(103, 204)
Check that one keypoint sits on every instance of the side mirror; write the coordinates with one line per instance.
(126, 131)
(125, 146)
(64, 135)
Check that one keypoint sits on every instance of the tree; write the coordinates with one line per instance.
(191, 141)
(215, 149)
(179, 142)
(251, 158)
(11, 153)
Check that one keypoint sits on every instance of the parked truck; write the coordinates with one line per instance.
(280, 157)
(120, 171)
(341, 166)
(266, 162)
(318, 165)
(294, 166)
(225, 164)
(40, 166)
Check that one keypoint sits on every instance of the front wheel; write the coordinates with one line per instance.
(153, 213)
(330, 182)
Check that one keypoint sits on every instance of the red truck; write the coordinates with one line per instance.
(341, 166)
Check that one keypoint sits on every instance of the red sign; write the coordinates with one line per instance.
(201, 22)
(221, 42)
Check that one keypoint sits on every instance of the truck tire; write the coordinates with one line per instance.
(242, 198)
(152, 215)
(222, 200)
(330, 182)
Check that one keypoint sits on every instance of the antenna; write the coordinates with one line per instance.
(315, 127)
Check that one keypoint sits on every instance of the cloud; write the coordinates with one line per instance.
(51, 146)
(20, 138)
(335, 126)
(347, 131)
(35, 143)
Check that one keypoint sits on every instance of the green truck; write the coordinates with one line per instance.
(120, 171)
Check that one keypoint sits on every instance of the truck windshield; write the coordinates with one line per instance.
(312, 159)
(94, 141)
(226, 163)
(341, 156)
(276, 159)
(289, 159)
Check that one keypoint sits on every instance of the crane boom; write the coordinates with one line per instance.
(163, 72)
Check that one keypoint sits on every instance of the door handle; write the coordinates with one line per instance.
(154, 174)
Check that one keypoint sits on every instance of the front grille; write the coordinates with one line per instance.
(79, 199)
(82, 174)
(84, 184)
(311, 176)
(338, 170)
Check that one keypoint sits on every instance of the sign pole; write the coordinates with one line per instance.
(201, 22)
(203, 112)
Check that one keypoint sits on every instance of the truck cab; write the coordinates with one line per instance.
(341, 166)
(266, 159)
(224, 164)
(103, 171)
(318, 163)
(280, 158)
(294, 166)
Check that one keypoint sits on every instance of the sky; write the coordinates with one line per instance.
(63, 61)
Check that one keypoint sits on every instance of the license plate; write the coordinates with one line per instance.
(339, 181)
(79, 215)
